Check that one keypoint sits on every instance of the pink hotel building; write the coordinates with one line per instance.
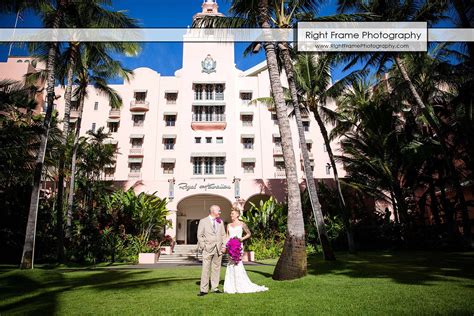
(194, 137)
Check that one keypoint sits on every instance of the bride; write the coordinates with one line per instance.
(236, 279)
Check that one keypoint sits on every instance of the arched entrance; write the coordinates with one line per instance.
(191, 209)
(255, 199)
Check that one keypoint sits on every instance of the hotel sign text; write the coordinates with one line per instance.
(209, 186)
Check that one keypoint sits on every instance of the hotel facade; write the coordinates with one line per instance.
(195, 137)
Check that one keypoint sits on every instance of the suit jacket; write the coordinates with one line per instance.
(207, 238)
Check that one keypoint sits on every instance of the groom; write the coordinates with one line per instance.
(211, 235)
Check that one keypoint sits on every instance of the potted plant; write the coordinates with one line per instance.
(166, 245)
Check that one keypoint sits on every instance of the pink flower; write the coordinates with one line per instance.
(219, 220)
(234, 247)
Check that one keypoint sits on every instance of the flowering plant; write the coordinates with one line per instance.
(234, 248)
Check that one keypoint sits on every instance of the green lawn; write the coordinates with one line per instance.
(377, 283)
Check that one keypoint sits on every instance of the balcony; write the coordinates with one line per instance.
(135, 175)
(280, 174)
(277, 151)
(309, 153)
(109, 177)
(136, 152)
(114, 113)
(139, 105)
(74, 113)
(208, 122)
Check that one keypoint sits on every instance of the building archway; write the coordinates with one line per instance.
(255, 199)
(191, 209)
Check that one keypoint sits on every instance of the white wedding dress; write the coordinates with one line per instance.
(236, 279)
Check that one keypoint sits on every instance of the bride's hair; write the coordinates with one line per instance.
(233, 209)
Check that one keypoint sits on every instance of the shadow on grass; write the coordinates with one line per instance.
(37, 291)
(418, 267)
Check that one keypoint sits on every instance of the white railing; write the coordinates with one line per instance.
(136, 151)
(139, 104)
(208, 118)
(277, 151)
(280, 174)
(114, 113)
(135, 175)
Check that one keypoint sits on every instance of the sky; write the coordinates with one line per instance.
(165, 58)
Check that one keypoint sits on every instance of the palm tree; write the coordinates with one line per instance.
(90, 14)
(54, 21)
(258, 13)
(313, 77)
(94, 68)
(392, 10)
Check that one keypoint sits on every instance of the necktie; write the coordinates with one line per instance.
(214, 224)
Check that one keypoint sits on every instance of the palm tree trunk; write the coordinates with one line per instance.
(345, 211)
(447, 153)
(28, 255)
(292, 263)
(62, 158)
(312, 189)
(70, 201)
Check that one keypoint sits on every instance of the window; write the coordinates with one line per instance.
(328, 168)
(168, 168)
(197, 140)
(140, 97)
(137, 142)
(74, 105)
(306, 126)
(169, 143)
(93, 127)
(209, 92)
(197, 165)
(138, 119)
(96, 106)
(171, 97)
(219, 92)
(208, 165)
(275, 118)
(113, 127)
(248, 167)
(277, 141)
(247, 120)
(219, 140)
(309, 146)
(135, 167)
(208, 140)
(170, 120)
(280, 165)
(248, 143)
(198, 92)
(109, 172)
(246, 97)
(220, 165)
(208, 113)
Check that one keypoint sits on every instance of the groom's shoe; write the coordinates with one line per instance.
(202, 293)
(217, 291)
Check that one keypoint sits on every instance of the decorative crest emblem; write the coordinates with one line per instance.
(208, 64)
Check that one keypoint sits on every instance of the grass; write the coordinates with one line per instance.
(372, 283)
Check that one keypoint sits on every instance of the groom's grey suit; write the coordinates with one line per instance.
(210, 241)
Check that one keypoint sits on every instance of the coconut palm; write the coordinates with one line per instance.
(90, 14)
(94, 68)
(55, 13)
(259, 13)
(392, 10)
(313, 77)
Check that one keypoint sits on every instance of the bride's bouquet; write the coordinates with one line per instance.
(234, 249)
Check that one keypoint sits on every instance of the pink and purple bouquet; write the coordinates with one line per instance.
(234, 248)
